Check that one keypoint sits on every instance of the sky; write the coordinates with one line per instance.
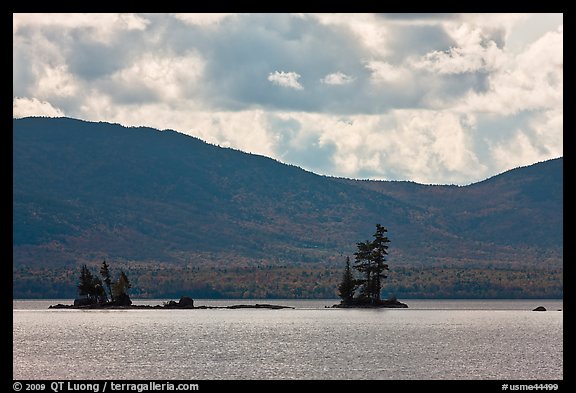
(430, 98)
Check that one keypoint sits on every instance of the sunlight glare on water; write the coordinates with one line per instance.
(431, 340)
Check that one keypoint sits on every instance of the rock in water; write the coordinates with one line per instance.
(539, 308)
(186, 301)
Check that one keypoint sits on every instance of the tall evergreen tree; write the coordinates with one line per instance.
(91, 286)
(99, 292)
(86, 285)
(379, 253)
(348, 284)
(364, 265)
(370, 261)
(105, 273)
(121, 286)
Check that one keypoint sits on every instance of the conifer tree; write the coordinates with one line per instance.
(378, 256)
(364, 266)
(348, 284)
(86, 283)
(121, 286)
(371, 262)
(105, 273)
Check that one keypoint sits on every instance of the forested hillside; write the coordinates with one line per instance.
(164, 202)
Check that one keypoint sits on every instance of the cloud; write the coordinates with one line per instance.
(24, 107)
(460, 60)
(429, 146)
(204, 19)
(367, 29)
(383, 72)
(418, 16)
(531, 80)
(337, 78)
(519, 148)
(285, 79)
(56, 81)
(163, 78)
(475, 51)
(436, 98)
(102, 27)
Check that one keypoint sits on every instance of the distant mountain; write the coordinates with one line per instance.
(182, 215)
(85, 191)
(521, 207)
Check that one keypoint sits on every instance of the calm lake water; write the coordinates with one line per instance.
(432, 339)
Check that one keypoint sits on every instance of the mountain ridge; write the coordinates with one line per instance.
(87, 191)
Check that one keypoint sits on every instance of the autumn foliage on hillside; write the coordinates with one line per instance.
(163, 202)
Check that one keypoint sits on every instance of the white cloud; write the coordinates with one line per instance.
(531, 80)
(474, 52)
(435, 99)
(97, 105)
(285, 79)
(460, 60)
(56, 81)
(520, 148)
(428, 143)
(70, 20)
(169, 78)
(368, 29)
(337, 78)
(24, 107)
(103, 26)
(203, 19)
(383, 72)
(424, 146)
(529, 29)
(548, 128)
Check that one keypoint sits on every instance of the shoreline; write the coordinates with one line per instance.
(524, 304)
(389, 303)
(167, 307)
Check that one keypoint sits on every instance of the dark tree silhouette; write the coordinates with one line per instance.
(105, 273)
(348, 285)
(99, 292)
(90, 286)
(378, 256)
(86, 285)
(120, 290)
(363, 265)
(370, 261)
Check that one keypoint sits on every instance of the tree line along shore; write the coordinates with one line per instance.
(359, 285)
(362, 290)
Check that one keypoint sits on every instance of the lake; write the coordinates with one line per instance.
(432, 339)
